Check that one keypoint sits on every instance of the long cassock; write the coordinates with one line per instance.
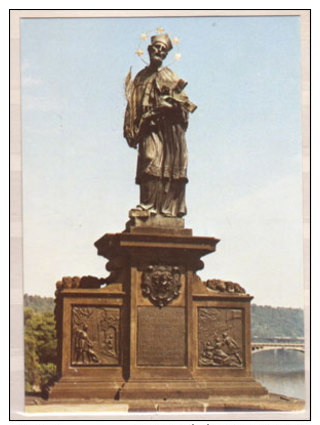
(159, 133)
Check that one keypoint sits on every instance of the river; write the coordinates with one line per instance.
(280, 371)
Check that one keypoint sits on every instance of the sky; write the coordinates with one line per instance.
(244, 143)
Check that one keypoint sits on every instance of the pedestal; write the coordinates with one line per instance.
(153, 329)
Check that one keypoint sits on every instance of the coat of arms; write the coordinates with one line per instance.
(161, 284)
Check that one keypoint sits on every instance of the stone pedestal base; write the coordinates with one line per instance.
(269, 402)
(171, 390)
(85, 389)
(155, 331)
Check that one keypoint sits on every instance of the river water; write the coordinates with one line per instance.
(280, 371)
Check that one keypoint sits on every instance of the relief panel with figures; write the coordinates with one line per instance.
(95, 336)
(220, 337)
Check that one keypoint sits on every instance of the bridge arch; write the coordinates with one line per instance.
(258, 348)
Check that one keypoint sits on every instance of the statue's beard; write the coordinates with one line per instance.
(156, 60)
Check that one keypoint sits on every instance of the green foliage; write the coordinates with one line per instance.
(47, 373)
(40, 349)
(31, 364)
(39, 304)
(271, 322)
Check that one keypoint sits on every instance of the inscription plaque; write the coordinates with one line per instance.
(220, 337)
(95, 335)
(161, 336)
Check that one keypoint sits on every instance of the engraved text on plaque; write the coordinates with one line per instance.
(161, 336)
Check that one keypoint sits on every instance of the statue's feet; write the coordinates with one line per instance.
(142, 211)
(147, 208)
(167, 214)
(181, 214)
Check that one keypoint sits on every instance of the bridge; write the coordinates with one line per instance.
(267, 346)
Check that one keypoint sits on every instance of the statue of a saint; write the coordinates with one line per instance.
(156, 120)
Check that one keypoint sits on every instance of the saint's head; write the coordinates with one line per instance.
(158, 49)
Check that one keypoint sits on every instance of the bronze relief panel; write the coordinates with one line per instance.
(220, 337)
(95, 336)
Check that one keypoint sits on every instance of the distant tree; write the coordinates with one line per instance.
(39, 304)
(48, 373)
(40, 349)
(31, 364)
(269, 322)
(47, 341)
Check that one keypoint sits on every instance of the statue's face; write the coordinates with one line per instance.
(157, 52)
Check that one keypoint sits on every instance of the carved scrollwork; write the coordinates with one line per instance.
(88, 282)
(218, 285)
(161, 284)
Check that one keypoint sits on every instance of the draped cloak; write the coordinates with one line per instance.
(162, 149)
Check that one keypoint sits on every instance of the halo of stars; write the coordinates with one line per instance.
(146, 35)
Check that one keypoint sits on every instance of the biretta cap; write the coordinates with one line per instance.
(163, 39)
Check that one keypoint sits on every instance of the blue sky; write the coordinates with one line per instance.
(244, 143)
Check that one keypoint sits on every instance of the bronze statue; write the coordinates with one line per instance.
(156, 120)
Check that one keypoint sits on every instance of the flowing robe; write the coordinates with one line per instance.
(159, 132)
